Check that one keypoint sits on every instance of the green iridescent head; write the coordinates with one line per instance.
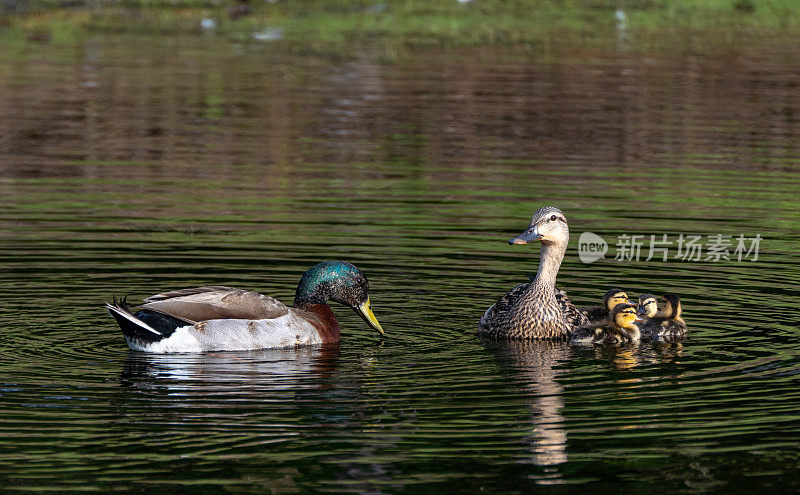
(338, 281)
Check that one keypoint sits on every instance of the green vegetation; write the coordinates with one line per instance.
(390, 27)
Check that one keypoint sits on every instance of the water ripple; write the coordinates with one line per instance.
(417, 172)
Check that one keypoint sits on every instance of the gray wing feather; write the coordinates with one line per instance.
(216, 302)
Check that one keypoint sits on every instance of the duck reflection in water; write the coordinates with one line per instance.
(621, 357)
(536, 362)
(275, 369)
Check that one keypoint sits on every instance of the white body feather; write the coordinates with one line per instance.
(289, 330)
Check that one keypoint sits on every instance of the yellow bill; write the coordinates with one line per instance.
(366, 312)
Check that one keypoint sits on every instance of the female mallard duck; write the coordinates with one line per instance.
(618, 328)
(667, 323)
(647, 307)
(218, 318)
(597, 314)
(536, 310)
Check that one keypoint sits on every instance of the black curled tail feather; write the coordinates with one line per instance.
(132, 327)
(121, 304)
(145, 325)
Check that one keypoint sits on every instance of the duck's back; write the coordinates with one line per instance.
(663, 327)
(614, 335)
(497, 319)
(216, 302)
(216, 318)
(573, 315)
(595, 314)
(603, 333)
(524, 313)
(585, 334)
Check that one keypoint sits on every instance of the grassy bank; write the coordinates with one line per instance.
(391, 27)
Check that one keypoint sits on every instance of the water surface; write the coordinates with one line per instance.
(134, 164)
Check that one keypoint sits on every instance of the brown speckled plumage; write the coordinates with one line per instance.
(537, 310)
(571, 313)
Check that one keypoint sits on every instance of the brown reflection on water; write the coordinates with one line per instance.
(199, 108)
(536, 367)
(135, 165)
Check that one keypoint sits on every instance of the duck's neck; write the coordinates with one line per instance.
(538, 313)
(550, 259)
(323, 319)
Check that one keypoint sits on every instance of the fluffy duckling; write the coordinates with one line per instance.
(667, 323)
(619, 328)
(599, 314)
(647, 307)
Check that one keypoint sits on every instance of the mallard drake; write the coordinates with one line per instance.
(597, 314)
(536, 310)
(618, 328)
(223, 318)
(667, 323)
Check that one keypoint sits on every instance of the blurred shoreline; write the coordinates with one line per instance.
(393, 29)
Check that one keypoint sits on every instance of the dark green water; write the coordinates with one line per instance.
(132, 165)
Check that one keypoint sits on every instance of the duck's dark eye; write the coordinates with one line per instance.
(553, 218)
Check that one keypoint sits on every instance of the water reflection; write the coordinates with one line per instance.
(665, 352)
(621, 358)
(133, 164)
(536, 365)
(274, 369)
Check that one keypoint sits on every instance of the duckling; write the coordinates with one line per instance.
(598, 314)
(618, 328)
(216, 318)
(647, 307)
(667, 323)
(536, 310)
